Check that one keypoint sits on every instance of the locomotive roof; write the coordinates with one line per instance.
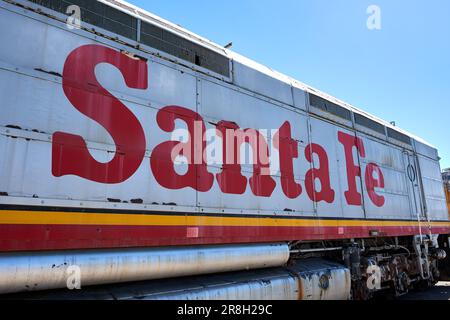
(160, 22)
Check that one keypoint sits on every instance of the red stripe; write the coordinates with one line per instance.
(63, 237)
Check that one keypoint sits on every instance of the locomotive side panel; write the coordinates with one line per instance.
(45, 109)
(48, 110)
(157, 162)
(223, 103)
(396, 202)
(339, 178)
(325, 134)
(435, 200)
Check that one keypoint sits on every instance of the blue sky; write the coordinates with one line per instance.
(399, 73)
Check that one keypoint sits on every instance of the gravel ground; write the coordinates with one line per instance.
(440, 292)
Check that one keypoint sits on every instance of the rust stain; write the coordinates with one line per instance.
(299, 288)
(447, 195)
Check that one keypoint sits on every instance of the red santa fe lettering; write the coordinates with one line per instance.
(322, 174)
(349, 142)
(70, 155)
(372, 183)
(231, 180)
(288, 150)
(163, 156)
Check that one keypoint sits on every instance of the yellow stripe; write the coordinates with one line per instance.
(70, 218)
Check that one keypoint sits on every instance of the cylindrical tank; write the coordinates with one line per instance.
(314, 279)
(52, 270)
(315, 284)
(278, 286)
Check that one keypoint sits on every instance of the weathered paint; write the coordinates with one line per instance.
(51, 270)
(299, 282)
(447, 195)
(283, 283)
(34, 230)
(90, 128)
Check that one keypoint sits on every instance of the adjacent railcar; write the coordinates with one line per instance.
(116, 134)
(447, 193)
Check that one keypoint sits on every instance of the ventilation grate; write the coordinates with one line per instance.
(118, 22)
(97, 14)
(329, 107)
(369, 123)
(394, 134)
(182, 48)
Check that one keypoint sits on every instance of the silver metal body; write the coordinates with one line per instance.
(54, 270)
(34, 48)
(39, 108)
(251, 89)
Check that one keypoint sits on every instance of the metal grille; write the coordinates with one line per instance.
(97, 14)
(368, 123)
(394, 134)
(182, 48)
(116, 21)
(330, 107)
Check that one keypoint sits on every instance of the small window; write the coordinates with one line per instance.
(370, 124)
(97, 14)
(329, 107)
(182, 48)
(394, 134)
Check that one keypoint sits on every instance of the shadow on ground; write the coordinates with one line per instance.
(440, 292)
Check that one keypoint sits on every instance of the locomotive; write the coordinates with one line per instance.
(135, 150)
